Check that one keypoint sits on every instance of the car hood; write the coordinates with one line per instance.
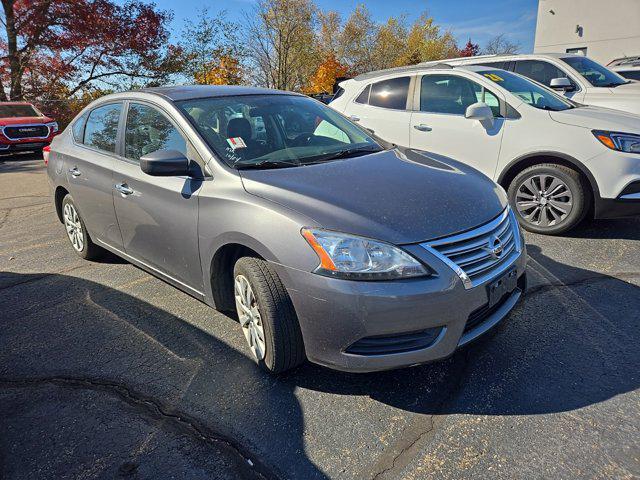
(628, 88)
(400, 196)
(24, 120)
(599, 118)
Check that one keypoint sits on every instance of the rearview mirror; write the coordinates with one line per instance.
(480, 111)
(165, 163)
(562, 83)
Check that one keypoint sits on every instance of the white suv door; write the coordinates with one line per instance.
(438, 123)
(382, 107)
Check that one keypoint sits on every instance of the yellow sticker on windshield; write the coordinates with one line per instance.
(493, 77)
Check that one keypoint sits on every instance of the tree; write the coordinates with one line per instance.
(225, 70)
(425, 43)
(280, 38)
(500, 45)
(211, 49)
(470, 49)
(69, 45)
(325, 76)
(357, 41)
(389, 43)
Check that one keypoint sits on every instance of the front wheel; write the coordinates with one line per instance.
(549, 198)
(267, 317)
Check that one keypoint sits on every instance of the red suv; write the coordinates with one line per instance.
(23, 127)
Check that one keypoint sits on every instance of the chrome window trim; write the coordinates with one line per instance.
(504, 263)
(27, 125)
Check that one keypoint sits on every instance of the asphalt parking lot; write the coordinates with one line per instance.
(105, 371)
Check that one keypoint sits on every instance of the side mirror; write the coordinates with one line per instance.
(165, 163)
(480, 111)
(562, 83)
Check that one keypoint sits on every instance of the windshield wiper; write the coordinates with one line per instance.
(249, 164)
(349, 153)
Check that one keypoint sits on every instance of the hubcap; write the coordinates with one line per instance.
(249, 315)
(544, 200)
(73, 226)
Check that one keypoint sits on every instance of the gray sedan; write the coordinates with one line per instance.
(328, 244)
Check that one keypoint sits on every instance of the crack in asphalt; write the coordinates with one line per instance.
(248, 463)
(420, 434)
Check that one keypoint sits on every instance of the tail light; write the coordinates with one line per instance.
(45, 154)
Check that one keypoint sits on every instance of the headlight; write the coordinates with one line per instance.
(360, 258)
(53, 126)
(622, 142)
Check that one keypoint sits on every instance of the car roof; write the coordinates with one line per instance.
(16, 103)
(188, 92)
(420, 67)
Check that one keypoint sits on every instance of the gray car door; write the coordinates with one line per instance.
(89, 163)
(158, 216)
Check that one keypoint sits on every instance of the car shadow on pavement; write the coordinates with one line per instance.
(619, 229)
(566, 347)
(20, 162)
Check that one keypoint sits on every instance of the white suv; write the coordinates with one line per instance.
(576, 76)
(558, 160)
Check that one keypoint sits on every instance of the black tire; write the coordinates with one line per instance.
(89, 250)
(284, 347)
(580, 198)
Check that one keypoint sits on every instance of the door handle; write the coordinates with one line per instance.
(423, 128)
(74, 172)
(123, 188)
(353, 118)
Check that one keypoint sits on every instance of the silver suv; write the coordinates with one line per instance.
(327, 244)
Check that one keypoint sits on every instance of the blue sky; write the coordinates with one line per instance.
(478, 19)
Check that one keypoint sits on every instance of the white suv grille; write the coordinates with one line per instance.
(483, 253)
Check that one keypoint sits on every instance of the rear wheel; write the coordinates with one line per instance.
(549, 198)
(77, 232)
(267, 317)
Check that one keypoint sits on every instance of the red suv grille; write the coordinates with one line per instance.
(26, 131)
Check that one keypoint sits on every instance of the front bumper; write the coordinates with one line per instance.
(22, 146)
(336, 314)
(617, 176)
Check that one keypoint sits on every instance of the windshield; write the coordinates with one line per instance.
(530, 92)
(594, 73)
(269, 131)
(7, 111)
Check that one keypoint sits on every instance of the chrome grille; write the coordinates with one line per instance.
(16, 132)
(483, 253)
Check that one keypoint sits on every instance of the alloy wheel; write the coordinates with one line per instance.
(249, 316)
(544, 200)
(73, 226)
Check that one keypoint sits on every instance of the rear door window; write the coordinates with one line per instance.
(101, 130)
(392, 93)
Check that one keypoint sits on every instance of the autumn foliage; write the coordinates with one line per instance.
(60, 54)
(224, 71)
(325, 76)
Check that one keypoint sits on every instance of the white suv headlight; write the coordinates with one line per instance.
(622, 142)
(359, 258)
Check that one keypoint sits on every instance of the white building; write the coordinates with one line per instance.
(602, 30)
